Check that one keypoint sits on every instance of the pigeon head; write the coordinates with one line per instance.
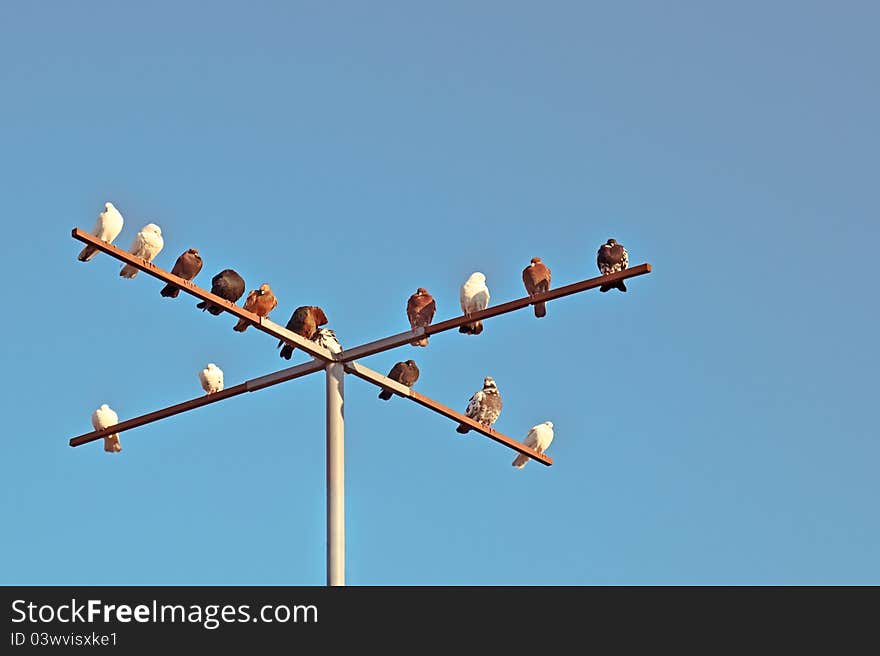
(611, 242)
(489, 383)
(104, 406)
(108, 206)
(536, 260)
(193, 251)
(152, 227)
(411, 363)
(211, 365)
(264, 289)
(421, 291)
(549, 424)
(476, 276)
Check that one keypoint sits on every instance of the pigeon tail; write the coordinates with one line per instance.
(128, 271)
(111, 443)
(541, 309)
(474, 328)
(87, 253)
(463, 428)
(520, 461)
(385, 395)
(621, 286)
(420, 342)
(170, 291)
(286, 351)
(241, 326)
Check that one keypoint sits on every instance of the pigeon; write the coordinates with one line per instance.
(304, 322)
(104, 417)
(474, 297)
(612, 257)
(420, 310)
(327, 338)
(146, 245)
(405, 373)
(228, 285)
(484, 406)
(536, 278)
(211, 378)
(107, 228)
(539, 439)
(261, 302)
(187, 267)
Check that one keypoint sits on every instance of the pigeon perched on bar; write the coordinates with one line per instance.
(536, 278)
(304, 322)
(538, 438)
(474, 297)
(104, 417)
(405, 373)
(211, 378)
(146, 245)
(612, 257)
(228, 285)
(327, 338)
(484, 406)
(420, 310)
(260, 301)
(187, 267)
(107, 228)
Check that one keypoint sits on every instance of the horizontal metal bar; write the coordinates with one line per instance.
(526, 301)
(260, 323)
(374, 377)
(380, 345)
(248, 386)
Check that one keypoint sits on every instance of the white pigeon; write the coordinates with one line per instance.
(474, 297)
(107, 228)
(146, 245)
(539, 439)
(211, 378)
(327, 338)
(104, 417)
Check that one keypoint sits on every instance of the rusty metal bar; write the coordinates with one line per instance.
(553, 294)
(248, 386)
(265, 325)
(384, 382)
(371, 348)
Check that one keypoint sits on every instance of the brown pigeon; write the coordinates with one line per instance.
(228, 285)
(259, 301)
(187, 267)
(612, 257)
(405, 373)
(536, 278)
(304, 322)
(420, 310)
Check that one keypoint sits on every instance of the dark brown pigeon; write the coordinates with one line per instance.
(536, 278)
(187, 267)
(228, 285)
(304, 322)
(405, 373)
(420, 310)
(612, 258)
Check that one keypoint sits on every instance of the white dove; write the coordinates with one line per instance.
(539, 439)
(211, 378)
(146, 245)
(104, 417)
(107, 228)
(327, 338)
(474, 297)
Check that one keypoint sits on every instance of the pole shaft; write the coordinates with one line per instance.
(335, 475)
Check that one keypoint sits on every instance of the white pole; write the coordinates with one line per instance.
(335, 474)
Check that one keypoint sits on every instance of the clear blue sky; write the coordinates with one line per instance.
(717, 424)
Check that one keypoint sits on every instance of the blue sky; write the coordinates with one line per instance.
(716, 424)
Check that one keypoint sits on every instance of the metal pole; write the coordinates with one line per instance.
(335, 474)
